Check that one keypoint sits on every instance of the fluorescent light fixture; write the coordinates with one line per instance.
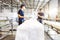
(0, 1)
(17, 0)
(41, 0)
(5, 4)
(46, 0)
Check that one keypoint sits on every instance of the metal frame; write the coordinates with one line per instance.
(6, 26)
(52, 27)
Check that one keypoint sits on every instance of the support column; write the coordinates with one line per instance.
(59, 8)
(11, 6)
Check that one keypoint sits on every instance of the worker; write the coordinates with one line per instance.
(40, 15)
(21, 14)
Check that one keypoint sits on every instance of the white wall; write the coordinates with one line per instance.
(53, 8)
(8, 13)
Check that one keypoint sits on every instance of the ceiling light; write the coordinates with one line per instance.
(41, 0)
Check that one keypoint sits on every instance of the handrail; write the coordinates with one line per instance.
(57, 27)
(3, 20)
(53, 26)
(4, 25)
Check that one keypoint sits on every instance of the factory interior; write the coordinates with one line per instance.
(9, 20)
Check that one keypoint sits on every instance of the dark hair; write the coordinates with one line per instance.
(22, 5)
(40, 9)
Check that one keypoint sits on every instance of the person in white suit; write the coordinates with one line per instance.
(30, 30)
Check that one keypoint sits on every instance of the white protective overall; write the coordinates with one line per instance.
(30, 30)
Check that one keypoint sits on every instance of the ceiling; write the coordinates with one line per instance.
(9, 2)
(32, 4)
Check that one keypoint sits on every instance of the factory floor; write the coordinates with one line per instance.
(12, 37)
(9, 37)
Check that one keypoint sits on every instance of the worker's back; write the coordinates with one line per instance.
(30, 30)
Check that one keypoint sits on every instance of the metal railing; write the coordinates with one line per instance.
(6, 26)
(54, 27)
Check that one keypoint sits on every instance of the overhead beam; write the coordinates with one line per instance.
(33, 3)
(37, 3)
(40, 3)
(11, 6)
